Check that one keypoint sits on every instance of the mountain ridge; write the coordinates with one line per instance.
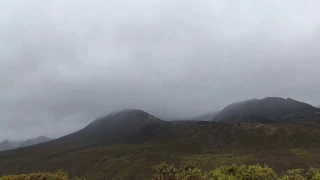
(206, 143)
(126, 143)
(267, 110)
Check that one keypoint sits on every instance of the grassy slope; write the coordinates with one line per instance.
(205, 144)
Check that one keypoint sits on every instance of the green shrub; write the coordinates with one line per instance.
(232, 172)
(59, 175)
(257, 172)
(294, 174)
(313, 174)
(164, 172)
(243, 172)
(190, 173)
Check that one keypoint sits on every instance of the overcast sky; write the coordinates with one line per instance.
(65, 62)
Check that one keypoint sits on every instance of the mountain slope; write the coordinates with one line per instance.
(267, 110)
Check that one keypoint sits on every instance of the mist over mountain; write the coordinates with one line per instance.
(137, 126)
(127, 125)
(6, 145)
(206, 117)
(132, 140)
(267, 110)
(134, 125)
(10, 144)
(63, 63)
(38, 140)
(187, 69)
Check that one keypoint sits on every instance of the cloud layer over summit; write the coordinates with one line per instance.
(63, 63)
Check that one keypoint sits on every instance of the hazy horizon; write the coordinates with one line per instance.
(64, 63)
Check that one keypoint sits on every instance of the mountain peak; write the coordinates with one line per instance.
(130, 112)
(268, 109)
(124, 115)
(130, 122)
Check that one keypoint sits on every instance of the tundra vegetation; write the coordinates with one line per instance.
(170, 172)
(231, 172)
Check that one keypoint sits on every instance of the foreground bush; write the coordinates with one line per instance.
(232, 172)
(60, 175)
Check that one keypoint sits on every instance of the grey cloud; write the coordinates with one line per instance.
(63, 63)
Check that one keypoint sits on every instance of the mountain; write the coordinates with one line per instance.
(9, 144)
(16, 143)
(124, 126)
(6, 145)
(126, 144)
(268, 110)
(38, 140)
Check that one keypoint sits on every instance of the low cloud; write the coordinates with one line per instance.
(64, 63)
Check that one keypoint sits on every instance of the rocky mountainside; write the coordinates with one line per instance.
(268, 110)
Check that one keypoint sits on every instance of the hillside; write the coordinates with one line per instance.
(268, 110)
(126, 144)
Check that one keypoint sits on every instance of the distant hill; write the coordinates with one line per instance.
(124, 126)
(127, 125)
(38, 140)
(267, 110)
(8, 145)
